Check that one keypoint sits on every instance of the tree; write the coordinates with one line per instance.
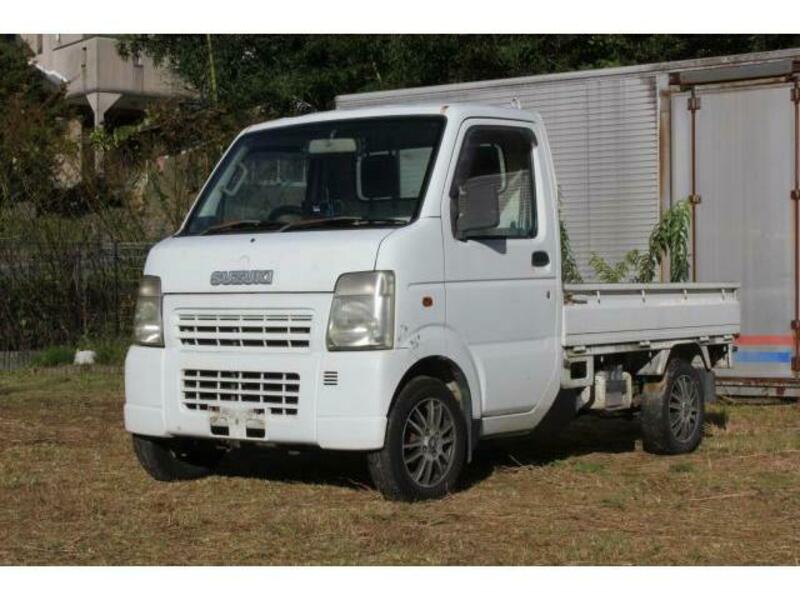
(32, 128)
(290, 74)
(278, 73)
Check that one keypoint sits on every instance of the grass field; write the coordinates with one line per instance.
(71, 492)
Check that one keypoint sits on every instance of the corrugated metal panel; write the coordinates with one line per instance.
(604, 137)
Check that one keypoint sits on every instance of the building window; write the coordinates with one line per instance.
(39, 43)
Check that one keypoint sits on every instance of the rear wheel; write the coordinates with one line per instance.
(425, 446)
(176, 459)
(672, 420)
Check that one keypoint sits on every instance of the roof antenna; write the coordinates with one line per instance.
(516, 103)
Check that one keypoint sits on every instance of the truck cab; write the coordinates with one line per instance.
(388, 281)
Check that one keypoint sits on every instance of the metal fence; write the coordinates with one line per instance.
(64, 292)
(10, 360)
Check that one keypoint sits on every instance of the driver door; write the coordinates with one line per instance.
(500, 282)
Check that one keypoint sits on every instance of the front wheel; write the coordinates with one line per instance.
(672, 420)
(425, 446)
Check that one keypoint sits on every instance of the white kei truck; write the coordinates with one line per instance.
(388, 281)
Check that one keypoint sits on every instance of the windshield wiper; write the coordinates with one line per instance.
(251, 224)
(342, 221)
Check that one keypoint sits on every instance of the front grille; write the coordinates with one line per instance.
(284, 330)
(272, 393)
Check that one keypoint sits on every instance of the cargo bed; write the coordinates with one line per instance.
(602, 314)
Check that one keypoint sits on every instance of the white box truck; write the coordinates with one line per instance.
(388, 281)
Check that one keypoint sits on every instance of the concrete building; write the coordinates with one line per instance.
(112, 90)
(630, 142)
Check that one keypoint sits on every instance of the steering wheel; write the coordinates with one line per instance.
(278, 214)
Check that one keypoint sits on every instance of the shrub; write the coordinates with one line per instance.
(53, 356)
(109, 351)
(669, 238)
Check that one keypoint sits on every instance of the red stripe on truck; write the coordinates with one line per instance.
(765, 340)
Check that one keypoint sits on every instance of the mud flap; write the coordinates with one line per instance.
(709, 383)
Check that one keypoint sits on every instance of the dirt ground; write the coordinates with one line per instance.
(71, 492)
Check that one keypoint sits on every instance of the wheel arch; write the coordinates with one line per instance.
(453, 376)
(695, 355)
(690, 352)
(653, 366)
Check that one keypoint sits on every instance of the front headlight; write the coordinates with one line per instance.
(362, 312)
(147, 324)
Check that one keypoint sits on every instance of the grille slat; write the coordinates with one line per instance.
(207, 390)
(287, 331)
(233, 376)
(330, 378)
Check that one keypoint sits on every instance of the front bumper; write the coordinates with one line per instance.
(342, 403)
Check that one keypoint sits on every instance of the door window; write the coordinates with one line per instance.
(501, 157)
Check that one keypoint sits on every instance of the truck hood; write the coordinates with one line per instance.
(300, 261)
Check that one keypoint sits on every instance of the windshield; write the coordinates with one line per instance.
(367, 172)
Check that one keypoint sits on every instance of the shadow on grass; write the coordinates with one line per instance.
(559, 436)
(718, 419)
(307, 465)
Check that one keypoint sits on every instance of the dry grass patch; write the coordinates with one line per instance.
(72, 492)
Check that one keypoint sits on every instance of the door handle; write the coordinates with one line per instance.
(540, 259)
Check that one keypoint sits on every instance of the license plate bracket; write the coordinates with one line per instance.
(240, 422)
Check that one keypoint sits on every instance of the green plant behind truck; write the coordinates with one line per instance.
(669, 239)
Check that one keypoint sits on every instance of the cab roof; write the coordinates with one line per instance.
(455, 111)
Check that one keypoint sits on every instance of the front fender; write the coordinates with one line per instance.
(440, 341)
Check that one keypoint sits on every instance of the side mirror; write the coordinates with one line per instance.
(478, 207)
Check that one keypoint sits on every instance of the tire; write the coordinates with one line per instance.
(176, 459)
(672, 419)
(425, 447)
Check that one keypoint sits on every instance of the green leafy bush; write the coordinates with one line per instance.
(628, 269)
(569, 267)
(53, 356)
(669, 239)
(109, 351)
